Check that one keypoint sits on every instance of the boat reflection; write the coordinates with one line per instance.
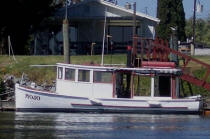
(89, 125)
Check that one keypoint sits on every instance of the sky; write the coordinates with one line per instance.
(152, 7)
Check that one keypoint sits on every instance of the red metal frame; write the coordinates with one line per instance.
(173, 87)
(161, 52)
(114, 84)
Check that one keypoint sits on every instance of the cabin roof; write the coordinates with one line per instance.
(145, 70)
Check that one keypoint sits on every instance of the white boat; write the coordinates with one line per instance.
(82, 88)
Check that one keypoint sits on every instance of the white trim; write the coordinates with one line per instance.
(152, 86)
(102, 68)
(91, 76)
(76, 75)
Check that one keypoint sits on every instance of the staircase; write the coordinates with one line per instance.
(159, 51)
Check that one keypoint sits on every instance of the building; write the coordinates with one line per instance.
(87, 18)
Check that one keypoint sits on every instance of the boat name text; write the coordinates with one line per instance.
(32, 97)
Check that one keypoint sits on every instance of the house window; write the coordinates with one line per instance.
(69, 74)
(102, 77)
(73, 33)
(60, 72)
(121, 33)
(84, 75)
(117, 33)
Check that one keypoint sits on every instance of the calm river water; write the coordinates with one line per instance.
(100, 126)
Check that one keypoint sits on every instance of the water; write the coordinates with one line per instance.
(102, 126)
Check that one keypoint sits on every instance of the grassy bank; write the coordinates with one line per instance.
(47, 74)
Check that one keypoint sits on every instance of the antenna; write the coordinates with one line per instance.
(146, 9)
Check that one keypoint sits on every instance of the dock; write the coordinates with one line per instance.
(7, 106)
(206, 110)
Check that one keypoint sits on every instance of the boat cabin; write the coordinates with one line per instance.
(116, 82)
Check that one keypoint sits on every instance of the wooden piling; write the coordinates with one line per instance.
(206, 109)
(7, 106)
(206, 112)
(66, 49)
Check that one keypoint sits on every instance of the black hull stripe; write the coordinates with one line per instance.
(132, 111)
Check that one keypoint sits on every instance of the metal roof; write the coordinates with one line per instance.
(130, 11)
(111, 6)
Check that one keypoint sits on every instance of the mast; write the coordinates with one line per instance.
(102, 56)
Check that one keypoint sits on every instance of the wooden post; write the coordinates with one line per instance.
(92, 46)
(0, 105)
(173, 87)
(134, 35)
(142, 49)
(194, 19)
(66, 41)
(9, 44)
(192, 49)
(177, 86)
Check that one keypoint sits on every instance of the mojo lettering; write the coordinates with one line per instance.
(32, 97)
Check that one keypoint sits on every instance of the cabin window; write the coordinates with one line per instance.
(84, 75)
(69, 74)
(60, 72)
(102, 77)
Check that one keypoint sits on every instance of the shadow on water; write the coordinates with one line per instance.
(83, 125)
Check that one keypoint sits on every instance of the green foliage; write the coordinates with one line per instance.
(142, 85)
(202, 30)
(171, 14)
(19, 18)
(41, 75)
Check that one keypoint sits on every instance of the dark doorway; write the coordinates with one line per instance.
(165, 86)
(123, 85)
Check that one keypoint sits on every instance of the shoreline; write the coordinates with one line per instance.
(7, 105)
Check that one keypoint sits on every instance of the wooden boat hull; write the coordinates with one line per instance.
(34, 100)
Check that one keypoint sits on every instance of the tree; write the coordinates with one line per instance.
(19, 18)
(202, 30)
(171, 14)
